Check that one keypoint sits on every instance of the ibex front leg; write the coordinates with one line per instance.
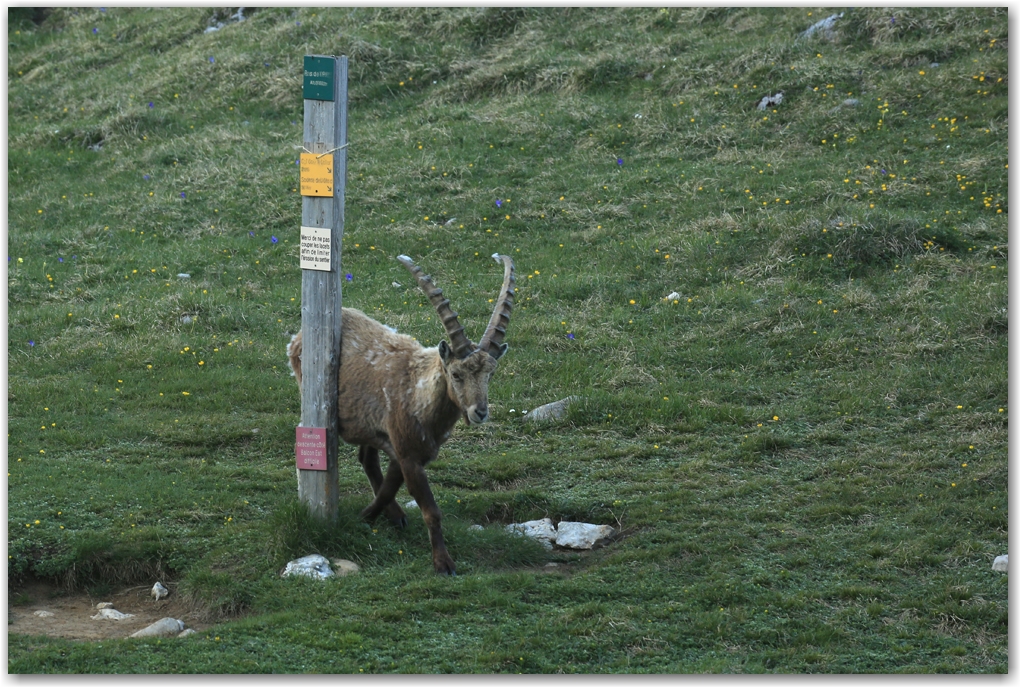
(385, 490)
(418, 485)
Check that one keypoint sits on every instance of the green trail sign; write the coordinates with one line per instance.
(318, 79)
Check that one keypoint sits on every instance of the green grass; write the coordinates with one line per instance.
(806, 449)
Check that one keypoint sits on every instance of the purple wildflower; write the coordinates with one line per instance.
(95, 30)
(619, 161)
(499, 203)
(31, 343)
(275, 240)
(150, 104)
(251, 233)
(58, 259)
(349, 277)
(182, 194)
(212, 59)
(570, 336)
(146, 177)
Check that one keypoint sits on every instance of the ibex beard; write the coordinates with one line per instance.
(400, 398)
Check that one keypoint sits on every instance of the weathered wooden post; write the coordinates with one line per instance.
(323, 176)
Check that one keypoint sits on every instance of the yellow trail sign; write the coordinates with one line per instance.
(316, 174)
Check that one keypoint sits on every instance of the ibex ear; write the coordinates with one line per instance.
(445, 352)
(498, 351)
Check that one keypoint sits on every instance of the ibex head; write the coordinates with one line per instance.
(468, 367)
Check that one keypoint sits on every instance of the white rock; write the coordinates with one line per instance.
(112, 614)
(187, 633)
(475, 528)
(770, 101)
(1001, 563)
(44, 614)
(344, 566)
(551, 411)
(164, 627)
(314, 566)
(543, 530)
(674, 296)
(823, 28)
(582, 535)
(411, 504)
(183, 275)
(159, 591)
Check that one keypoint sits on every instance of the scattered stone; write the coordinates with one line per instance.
(112, 614)
(344, 566)
(475, 528)
(552, 411)
(769, 101)
(44, 614)
(186, 319)
(314, 566)
(187, 633)
(823, 28)
(449, 222)
(412, 504)
(1001, 563)
(165, 627)
(552, 565)
(674, 296)
(184, 275)
(236, 17)
(543, 530)
(159, 591)
(582, 535)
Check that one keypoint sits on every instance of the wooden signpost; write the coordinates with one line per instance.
(323, 176)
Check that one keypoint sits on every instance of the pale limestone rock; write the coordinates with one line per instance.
(551, 411)
(44, 614)
(1001, 563)
(582, 535)
(475, 528)
(112, 614)
(543, 530)
(314, 566)
(344, 566)
(164, 627)
(187, 633)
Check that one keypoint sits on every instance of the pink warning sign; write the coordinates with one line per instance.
(310, 448)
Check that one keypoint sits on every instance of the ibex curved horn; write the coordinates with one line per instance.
(461, 345)
(496, 330)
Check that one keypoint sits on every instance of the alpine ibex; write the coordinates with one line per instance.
(402, 399)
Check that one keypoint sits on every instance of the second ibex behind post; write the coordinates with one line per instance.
(400, 398)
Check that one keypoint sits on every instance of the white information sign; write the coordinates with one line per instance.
(315, 248)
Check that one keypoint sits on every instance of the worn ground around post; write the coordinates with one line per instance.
(72, 612)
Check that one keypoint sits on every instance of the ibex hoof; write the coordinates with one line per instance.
(445, 568)
(400, 522)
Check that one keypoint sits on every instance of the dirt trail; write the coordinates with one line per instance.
(72, 613)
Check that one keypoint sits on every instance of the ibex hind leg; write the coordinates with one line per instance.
(383, 488)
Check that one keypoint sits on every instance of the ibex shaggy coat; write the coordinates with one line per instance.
(402, 399)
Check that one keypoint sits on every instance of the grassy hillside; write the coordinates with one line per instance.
(787, 329)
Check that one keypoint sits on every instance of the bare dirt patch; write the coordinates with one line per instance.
(72, 613)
